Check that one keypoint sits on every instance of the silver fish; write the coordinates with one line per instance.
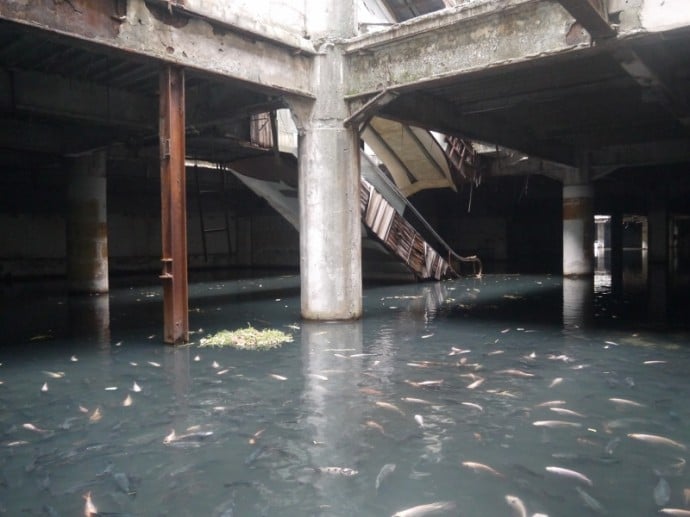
(567, 412)
(481, 467)
(427, 509)
(590, 502)
(662, 492)
(555, 423)
(338, 471)
(656, 439)
(517, 505)
(383, 474)
(570, 473)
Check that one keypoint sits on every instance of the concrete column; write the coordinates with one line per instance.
(657, 220)
(329, 184)
(617, 252)
(578, 230)
(87, 231)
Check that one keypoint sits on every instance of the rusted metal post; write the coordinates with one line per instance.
(173, 206)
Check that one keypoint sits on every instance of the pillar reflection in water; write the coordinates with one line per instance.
(89, 316)
(578, 296)
(657, 283)
(334, 404)
(176, 362)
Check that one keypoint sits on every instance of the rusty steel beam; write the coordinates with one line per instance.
(173, 206)
(592, 15)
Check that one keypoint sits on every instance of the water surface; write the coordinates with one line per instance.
(434, 376)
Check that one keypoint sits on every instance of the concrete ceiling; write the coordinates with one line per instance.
(61, 97)
(612, 104)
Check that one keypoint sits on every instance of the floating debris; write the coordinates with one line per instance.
(248, 339)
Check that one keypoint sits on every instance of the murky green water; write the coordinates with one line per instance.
(434, 376)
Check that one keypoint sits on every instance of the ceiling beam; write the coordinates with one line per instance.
(658, 89)
(436, 114)
(592, 15)
(641, 154)
(49, 94)
(148, 30)
(439, 48)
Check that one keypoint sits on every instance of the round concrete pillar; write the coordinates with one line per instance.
(87, 232)
(578, 230)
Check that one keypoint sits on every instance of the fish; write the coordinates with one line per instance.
(253, 439)
(426, 509)
(517, 505)
(375, 425)
(555, 423)
(473, 405)
(90, 509)
(677, 512)
(515, 373)
(420, 420)
(383, 474)
(277, 377)
(74, 359)
(197, 358)
(481, 467)
(475, 384)
(254, 455)
(458, 351)
(551, 403)
(389, 406)
(564, 411)
(589, 501)
(337, 471)
(194, 436)
(123, 483)
(96, 415)
(370, 391)
(425, 384)
(154, 364)
(413, 400)
(674, 469)
(662, 492)
(569, 473)
(318, 376)
(44, 388)
(611, 446)
(656, 439)
(686, 496)
(215, 365)
(32, 427)
(54, 375)
(128, 401)
(556, 382)
(626, 402)
(135, 387)
(110, 388)
(654, 362)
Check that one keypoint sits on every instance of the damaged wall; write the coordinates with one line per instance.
(32, 225)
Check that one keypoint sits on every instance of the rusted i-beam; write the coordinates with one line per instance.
(173, 205)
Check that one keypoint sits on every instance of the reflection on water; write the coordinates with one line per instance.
(463, 391)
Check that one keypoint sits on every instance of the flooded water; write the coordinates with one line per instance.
(564, 394)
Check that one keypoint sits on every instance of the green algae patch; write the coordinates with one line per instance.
(247, 338)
